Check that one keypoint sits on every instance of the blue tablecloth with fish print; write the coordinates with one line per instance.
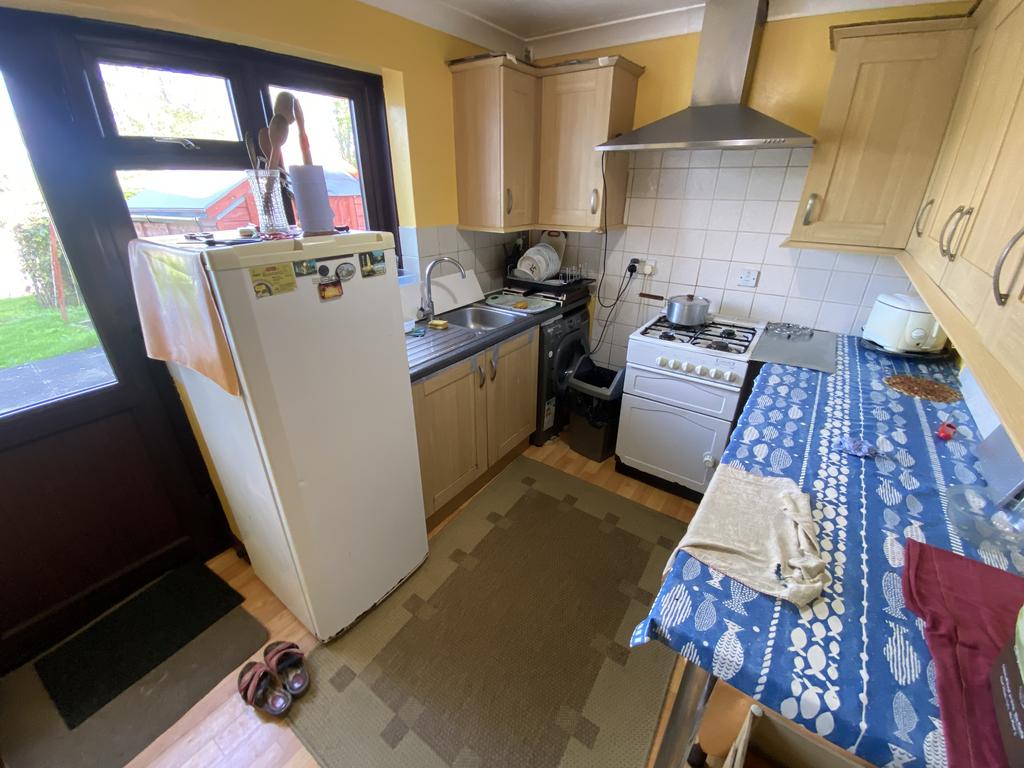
(852, 666)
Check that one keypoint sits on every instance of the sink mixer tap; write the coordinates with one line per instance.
(426, 310)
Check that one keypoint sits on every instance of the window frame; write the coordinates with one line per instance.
(249, 73)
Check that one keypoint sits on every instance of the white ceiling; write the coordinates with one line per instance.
(529, 19)
(559, 27)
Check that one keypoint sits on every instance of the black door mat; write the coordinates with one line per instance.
(33, 734)
(93, 667)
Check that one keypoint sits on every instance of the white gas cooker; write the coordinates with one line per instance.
(717, 351)
(681, 395)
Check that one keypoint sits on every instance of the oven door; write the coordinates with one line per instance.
(669, 442)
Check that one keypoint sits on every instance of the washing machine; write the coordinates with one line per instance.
(563, 341)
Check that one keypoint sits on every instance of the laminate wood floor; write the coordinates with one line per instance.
(222, 732)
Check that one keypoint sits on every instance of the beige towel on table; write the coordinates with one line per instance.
(760, 532)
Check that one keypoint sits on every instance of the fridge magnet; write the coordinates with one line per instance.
(304, 267)
(329, 289)
(372, 263)
(272, 279)
(345, 271)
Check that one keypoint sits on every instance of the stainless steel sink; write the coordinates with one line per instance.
(477, 318)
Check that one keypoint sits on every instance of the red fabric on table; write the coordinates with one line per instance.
(969, 610)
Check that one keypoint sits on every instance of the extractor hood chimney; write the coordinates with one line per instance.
(717, 117)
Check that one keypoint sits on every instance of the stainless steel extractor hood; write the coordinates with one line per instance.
(717, 117)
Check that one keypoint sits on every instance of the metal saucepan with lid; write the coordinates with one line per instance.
(687, 310)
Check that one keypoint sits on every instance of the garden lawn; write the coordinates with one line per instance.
(29, 332)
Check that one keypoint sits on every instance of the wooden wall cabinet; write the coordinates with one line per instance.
(471, 414)
(881, 128)
(973, 187)
(497, 113)
(580, 110)
(966, 258)
(525, 138)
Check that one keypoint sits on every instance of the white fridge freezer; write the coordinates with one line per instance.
(317, 454)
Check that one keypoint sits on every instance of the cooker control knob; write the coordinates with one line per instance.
(687, 367)
(702, 370)
(675, 365)
(729, 376)
(661, 360)
(714, 373)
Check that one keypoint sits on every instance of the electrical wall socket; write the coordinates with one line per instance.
(748, 278)
(647, 266)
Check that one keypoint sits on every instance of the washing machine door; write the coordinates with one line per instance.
(570, 349)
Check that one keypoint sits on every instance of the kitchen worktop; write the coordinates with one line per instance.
(852, 666)
(439, 349)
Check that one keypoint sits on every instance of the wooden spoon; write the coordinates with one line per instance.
(278, 134)
(263, 137)
(284, 105)
(300, 121)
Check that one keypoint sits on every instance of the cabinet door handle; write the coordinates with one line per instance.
(1002, 298)
(494, 364)
(951, 249)
(920, 215)
(480, 373)
(942, 235)
(508, 201)
(595, 200)
(811, 200)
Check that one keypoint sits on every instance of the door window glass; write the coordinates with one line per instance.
(175, 201)
(48, 345)
(158, 102)
(330, 125)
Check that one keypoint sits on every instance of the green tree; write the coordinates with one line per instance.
(344, 132)
(33, 238)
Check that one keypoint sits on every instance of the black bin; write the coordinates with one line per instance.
(595, 396)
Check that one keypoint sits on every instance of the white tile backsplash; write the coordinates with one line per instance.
(719, 244)
(482, 252)
(671, 183)
(700, 183)
(712, 214)
(667, 212)
(732, 183)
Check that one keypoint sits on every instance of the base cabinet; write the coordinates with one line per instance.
(471, 414)
(511, 394)
(451, 430)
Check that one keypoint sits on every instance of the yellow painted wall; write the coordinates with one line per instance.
(793, 70)
(410, 56)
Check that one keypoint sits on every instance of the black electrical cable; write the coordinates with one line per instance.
(627, 275)
(604, 223)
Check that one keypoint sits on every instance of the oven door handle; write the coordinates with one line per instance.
(682, 377)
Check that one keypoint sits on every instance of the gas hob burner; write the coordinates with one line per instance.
(789, 331)
(715, 335)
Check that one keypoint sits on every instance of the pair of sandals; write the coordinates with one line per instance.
(272, 684)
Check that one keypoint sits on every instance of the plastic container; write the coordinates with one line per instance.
(978, 520)
(595, 397)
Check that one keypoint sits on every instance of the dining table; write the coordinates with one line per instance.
(852, 666)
